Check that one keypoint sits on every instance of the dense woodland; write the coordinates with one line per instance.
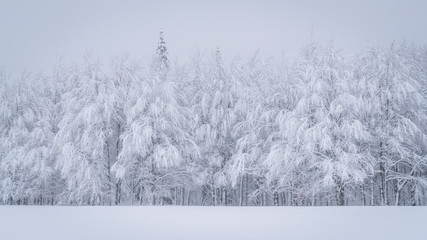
(316, 129)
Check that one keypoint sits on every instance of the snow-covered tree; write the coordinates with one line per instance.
(213, 108)
(322, 137)
(161, 60)
(396, 118)
(155, 143)
(5, 121)
(316, 129)
(259, 103)
(27, 167)
(83, 139)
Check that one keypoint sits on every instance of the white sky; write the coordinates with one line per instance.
(33, 33)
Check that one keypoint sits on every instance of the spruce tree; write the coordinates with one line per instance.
(161, 60)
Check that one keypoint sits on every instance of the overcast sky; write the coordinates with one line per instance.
(33, 33)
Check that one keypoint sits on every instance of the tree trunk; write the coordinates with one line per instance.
(188, 197)
(241, 191)
(176, 195)
(413, 195)
(263, 199)
(246, 190)
(118, 191)
(276, 199)
(141, 189)
(383, 181)
(362, 187)
(183, 196)
(341, 198)
(397, 200)
(213, 195)
(109, 173)
(283, 195)
(372, 191)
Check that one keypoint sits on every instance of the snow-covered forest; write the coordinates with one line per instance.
(317, 129)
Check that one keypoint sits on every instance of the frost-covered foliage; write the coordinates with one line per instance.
(155, 143)
(26, 166)
(161, 60)
(318, 129)
(214, 109)
(395, 110)
(82, 141)
(322, 135)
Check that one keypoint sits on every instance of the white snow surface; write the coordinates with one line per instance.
(225, 223)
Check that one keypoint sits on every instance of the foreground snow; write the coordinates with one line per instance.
(225, 223)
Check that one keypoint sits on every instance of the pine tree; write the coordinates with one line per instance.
(161, 61)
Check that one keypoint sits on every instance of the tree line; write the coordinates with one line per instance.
(316, 129)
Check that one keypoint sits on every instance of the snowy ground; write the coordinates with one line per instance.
(150, 223)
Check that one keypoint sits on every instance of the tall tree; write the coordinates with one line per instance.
(155, 143)
(27, 167)
(397, 118)
(161, 60)
(83, 139)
